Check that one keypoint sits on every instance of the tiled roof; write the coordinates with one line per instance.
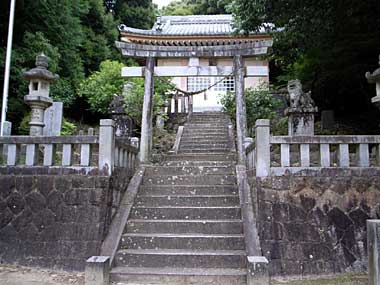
(199, 25)
(195, 25)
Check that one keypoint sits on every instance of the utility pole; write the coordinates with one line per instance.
(7, 67)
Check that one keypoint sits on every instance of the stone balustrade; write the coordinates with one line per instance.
(103, 151)
(125, 154)
(277, 155)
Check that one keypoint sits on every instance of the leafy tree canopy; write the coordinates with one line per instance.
(196, 7)
(328, 44)
(76, 35)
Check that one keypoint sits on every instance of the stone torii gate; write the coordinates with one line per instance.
(159, 43)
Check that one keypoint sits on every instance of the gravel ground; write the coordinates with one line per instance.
(17, 275)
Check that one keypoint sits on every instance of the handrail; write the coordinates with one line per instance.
(300, 151)
(250, 148)
(49, 140)
(120, 143)
(325, 140)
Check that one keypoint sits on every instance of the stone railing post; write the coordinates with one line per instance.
(373, 246)
(107, 145)
(97, 270)
(262, 148)
(258, 271)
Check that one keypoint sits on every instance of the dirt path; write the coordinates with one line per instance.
(344, 279)
(17, 275)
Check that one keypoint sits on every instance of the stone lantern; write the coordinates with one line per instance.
(38, 98)
(374, 78)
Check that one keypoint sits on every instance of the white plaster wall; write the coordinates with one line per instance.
(212, 101)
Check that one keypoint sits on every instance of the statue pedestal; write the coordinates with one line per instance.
(301, 121)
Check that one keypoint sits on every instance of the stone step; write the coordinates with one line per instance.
(196, 137)
(188, 190)
(211, 121)
(189, 180)
(205, 128)
(230, 157)
(187, 201)
(203, 150)
(206, 138)
(232, 226)
(177, 276)
(198, 164)
(204, 132)
(191, 170)
(181, 258)
(208, 142)
(209, 116)
(203, 146)
(186, 213)
(183, 241)
(210, 124)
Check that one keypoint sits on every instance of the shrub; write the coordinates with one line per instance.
(260, 104)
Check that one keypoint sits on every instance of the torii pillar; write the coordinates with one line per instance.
(241, 116)
(147, 113)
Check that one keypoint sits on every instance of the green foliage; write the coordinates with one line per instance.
(196, 7)
(329, 44)
(135, 13)
(209, 7)
(24, 125)
(135, 99)
(260, 104)
(68, 128)
(76, 35)
(177, 8)
(63, 91)
(101, 86)
(163, 141)
(36, 43)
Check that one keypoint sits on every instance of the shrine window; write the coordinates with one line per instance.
(198, 83)
(228, 84)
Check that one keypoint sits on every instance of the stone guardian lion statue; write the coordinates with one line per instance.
(297, 98)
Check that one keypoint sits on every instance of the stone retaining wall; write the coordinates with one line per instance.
(315, 222)
(55, 217)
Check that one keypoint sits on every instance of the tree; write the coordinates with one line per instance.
(135, 13)
(209, 7)
(135, 99)
(100, 87)
(260, 104)
(196, 7)
(177, 8)
(76, 35)
(329, 44)
(99, 90)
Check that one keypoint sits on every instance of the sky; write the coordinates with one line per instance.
(161, 3)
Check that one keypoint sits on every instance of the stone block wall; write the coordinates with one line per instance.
(55, 217)
(315, 222)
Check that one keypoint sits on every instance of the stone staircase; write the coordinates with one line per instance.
(185, 226)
